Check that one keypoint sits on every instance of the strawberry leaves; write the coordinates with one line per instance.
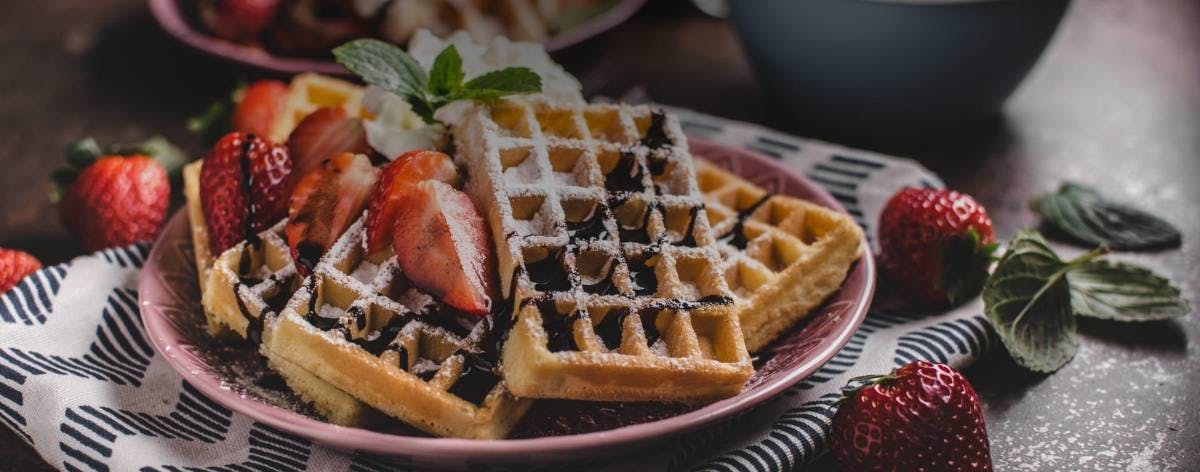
(389, 67)
(965, 261)
(1123, 292)
(1083, 214)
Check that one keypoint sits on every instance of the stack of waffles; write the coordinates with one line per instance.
(630, 272)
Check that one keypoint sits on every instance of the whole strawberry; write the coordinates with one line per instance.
(922, 416)
(262, 103)
(238, 20)
(14, 266)
(114, 200)
(244, 188)
(935, 245)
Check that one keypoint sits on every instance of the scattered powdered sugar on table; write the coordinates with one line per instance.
(1117, 412)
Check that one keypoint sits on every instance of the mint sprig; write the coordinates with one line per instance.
(386, 66)
(1033, 297)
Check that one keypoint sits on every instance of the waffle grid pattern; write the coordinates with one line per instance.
(597, 217)
(363, 328)
(782, 256)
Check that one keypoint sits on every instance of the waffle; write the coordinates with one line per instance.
(307, 93)
(359, 326)
(484, 20)
(244, 283)
(782, 256)
(603, 252)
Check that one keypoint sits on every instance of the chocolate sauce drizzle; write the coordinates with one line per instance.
(477, 378)
(605, 285)
(656, 133)
(736, 236)
(550, 274)
(644, 280)
(626, 176)
(689, 236)
(590, 228)
(640, 234)
(610, 330)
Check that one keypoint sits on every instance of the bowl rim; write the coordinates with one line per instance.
(170, 18)
(165, 340)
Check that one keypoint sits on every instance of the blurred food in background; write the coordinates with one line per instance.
(313, 27)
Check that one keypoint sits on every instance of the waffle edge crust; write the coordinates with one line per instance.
(783, 257)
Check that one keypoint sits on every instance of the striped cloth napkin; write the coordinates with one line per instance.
(81, 384)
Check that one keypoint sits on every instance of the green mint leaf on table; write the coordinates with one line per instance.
(389, 67)
(1028, 301)
(446, 76)
(1123, 292)
(1083, 214)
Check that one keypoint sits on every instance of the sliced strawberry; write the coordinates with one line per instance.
(244, 186)
(410, 168)
(443, 246)
(323, 134)
(324, 203)
(262, 103)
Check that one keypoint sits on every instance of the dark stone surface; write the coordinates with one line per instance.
(1115, 102)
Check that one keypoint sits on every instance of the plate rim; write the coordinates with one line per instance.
(159, 331)
(169, 17)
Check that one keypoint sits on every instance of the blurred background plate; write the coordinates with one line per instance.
(553, 433)
(173, 19)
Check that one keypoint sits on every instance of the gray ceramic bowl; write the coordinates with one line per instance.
(893, 68)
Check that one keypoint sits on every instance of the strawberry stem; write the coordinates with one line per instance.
(854, 385)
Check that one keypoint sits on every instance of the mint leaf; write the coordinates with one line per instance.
(1123, 292)
(1083, 214)
(496, 84)
(383, 65)
(446, 76)
(1028, 301)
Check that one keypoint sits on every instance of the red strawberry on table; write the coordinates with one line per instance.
(14, 266)
(323, 135)
(410, 168)
(935, 245)
(244, 188)
(115, 201)
(238, 20)
(443, 246)
(324, 203)
(921, 417)
(262, 103)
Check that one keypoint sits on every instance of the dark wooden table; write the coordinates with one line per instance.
(1114, 102)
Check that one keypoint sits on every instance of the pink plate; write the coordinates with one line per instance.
(171, 17)
(554, 432)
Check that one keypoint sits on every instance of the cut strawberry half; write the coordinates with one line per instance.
(324, 203)
(323, 134)
(410, 168)
(244, 187)
(442, 246)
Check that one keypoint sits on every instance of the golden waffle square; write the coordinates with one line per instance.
(308, 92)
(361, 327)
(604, 253)
(244, 283)
(782, 256)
